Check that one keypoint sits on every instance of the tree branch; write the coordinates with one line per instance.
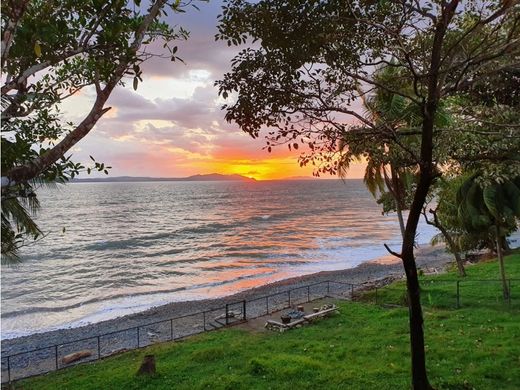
(33, 168)
(398, 255)
(18, 10)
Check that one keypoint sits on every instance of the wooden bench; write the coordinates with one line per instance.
(275, 325)
(321, 313)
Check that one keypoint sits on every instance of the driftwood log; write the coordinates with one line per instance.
(147, 366)
(73, 357)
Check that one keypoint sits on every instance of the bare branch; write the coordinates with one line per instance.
(398, 255)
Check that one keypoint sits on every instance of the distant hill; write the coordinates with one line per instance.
(300, 178)
(124, 179)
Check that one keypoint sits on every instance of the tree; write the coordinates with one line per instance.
(389, 174)
(93, 43)
(298, 82)
(490, 208)
(486, 113)
(444, 217)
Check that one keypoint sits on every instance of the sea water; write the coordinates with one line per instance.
(116, 248)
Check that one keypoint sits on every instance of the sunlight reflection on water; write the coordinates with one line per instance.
(130, 246)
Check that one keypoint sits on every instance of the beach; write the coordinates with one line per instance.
(376, 272)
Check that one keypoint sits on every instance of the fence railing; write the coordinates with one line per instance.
(51, 358)
(39, 361)
(454, 293)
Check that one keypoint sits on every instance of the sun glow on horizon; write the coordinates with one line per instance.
(268, 169)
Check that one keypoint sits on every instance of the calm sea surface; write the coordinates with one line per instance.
(118, 248)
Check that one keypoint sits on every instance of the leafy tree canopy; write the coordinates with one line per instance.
(310, 62)
(51, 50)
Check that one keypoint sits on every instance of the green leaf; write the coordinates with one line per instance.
(37, 49)
(490, 196)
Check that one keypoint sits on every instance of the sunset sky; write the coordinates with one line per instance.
(172, 126)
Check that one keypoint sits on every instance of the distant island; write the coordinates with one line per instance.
(300, 178)
(208, 177)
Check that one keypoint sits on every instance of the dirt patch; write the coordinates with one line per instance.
(257, 325)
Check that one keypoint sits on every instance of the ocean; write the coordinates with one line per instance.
(117, 248)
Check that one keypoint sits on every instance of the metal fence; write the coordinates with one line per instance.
(433, 293)
(451, 293)
(51, 358)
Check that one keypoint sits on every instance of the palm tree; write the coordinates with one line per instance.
(490, 208)
(390, 173)
(444, 218)
(19, 206)
(18, 210)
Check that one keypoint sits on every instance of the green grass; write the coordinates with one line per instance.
(475, 290)
(364, 347)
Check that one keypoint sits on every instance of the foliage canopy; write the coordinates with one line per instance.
(310, 62)
(52, 50)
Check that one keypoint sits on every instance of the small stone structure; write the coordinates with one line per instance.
(322, 312)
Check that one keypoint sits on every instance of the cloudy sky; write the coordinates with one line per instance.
(173, 126)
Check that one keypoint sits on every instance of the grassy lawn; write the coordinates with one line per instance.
(364, 347)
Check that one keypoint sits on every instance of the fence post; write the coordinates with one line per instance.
(376, 295)
(458, 294)
(56, 353)
(308, 293)
(171, 329)
(328, 287)
(244, 310)
(137, 337)
(204, 319)
(267, 304)
(351, 291)
(8, 370)
(510, 293)
(227, 313)
(98, 348)
(289, 294)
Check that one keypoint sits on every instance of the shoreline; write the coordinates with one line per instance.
(370, 272)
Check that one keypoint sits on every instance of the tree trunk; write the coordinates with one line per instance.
(147, 366)
(419, 374)
(460, 263)
(429, 110)
(500, 254)
(395, 187)
(401, 220)
(451, 244)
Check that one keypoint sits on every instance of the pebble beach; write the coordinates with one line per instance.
(429, 259)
